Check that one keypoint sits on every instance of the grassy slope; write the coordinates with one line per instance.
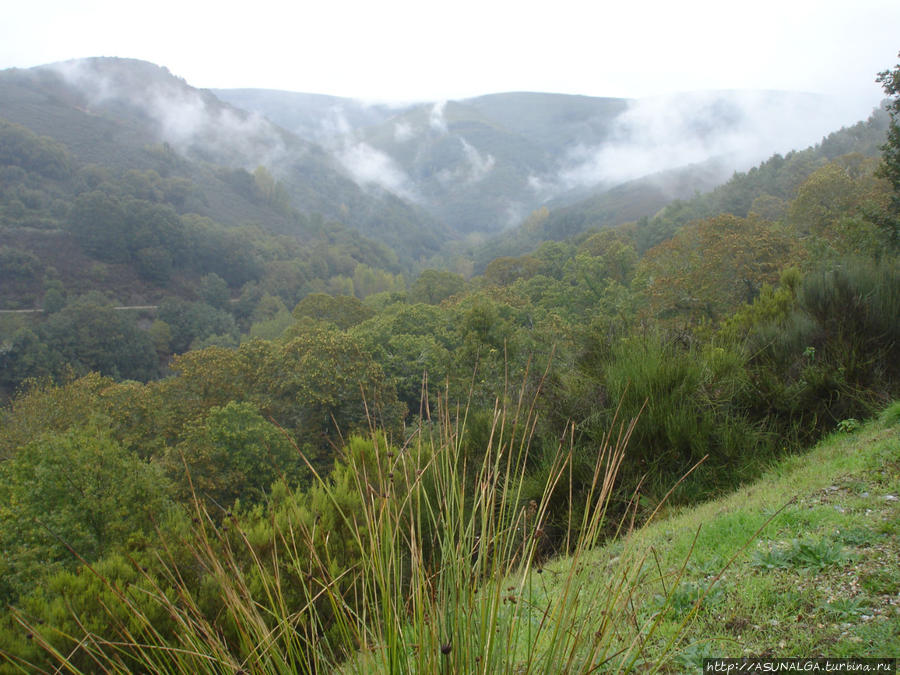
(820, 579)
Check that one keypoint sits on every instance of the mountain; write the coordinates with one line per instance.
(314, 117)
(129, 114)
(480, 165)
(413, 176)
(604, 207)
(667, 200)
(483, 164)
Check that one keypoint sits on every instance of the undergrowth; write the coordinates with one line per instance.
(402, 560)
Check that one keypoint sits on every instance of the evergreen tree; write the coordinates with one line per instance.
(890, 165)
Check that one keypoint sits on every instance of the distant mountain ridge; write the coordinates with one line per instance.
(415, 176)
(483, 164)
(125, 113)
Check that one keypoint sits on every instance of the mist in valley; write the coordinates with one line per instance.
(471, 163)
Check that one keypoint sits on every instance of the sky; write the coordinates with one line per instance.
(413, 50)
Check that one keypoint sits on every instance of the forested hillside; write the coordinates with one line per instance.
(481, 165)
(662, 203)
(123, 114)
(301, 425)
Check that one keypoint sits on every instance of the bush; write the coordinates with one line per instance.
(686, 401)
(834, 356)
(17, 265)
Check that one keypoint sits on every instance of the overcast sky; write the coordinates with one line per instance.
(421, 50)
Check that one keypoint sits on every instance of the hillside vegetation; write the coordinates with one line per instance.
(300, 457)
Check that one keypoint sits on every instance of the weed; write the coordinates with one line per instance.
(890, 416)
(684, 598)
(845, 609)
(801, 554)
(690, 657)
(848, 426)
(857, 536)
(881, 582)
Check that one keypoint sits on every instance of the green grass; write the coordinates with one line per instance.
(821, 577)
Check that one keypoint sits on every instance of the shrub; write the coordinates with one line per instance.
(686, 401)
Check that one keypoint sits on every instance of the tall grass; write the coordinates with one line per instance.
(429, 565)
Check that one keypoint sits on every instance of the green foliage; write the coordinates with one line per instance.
(273, 327)
(88, 335)
(17, 265)
(890, 162)
(686, 597)
(154, 264)
(711, 267)
(802, 554)
(855, 309)
(214, 291)
(848, 426)
(21, 147)
(318, 385)
(826, 195)
(44, 407)
(233, 454)
(773, 305)
(72, 493)
(830, 354)
(734, 326)
(329, 386)
(438, 577)
(54, 300)
(890, 416)
(95, 221)
(343, 311)
(191, 322)
(686, 401)
(434, 286)
(25, 356)
(504, 271)
(230, 253)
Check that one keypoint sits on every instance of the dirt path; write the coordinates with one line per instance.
(122, 308)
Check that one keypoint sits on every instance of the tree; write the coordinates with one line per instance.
(17, 265)
(191, 322)
(890, 164)
(26, 356)
(96, 221)
(343, 311)
(214, 291)
(505, 270)
(75, 489)
(435, 286)
(890, 82)
(321, 383)
(234, 453)
(54, 299)
(89, 334)
(712, 266)
(827, 195)
(154, 264)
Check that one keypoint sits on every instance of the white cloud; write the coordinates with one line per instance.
(335, 125)
(473, 167)
(402, 132)
(369, 166)
(436, 117)
(479, 165)
(661, 133)
(184, 117)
